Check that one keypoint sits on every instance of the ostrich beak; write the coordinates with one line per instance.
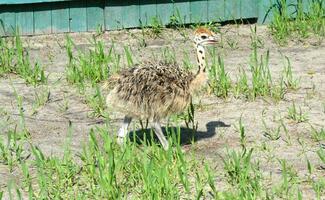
(210, 41)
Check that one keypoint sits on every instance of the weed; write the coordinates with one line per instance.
(40, 99)
(261, 76)
(287, 137)
(289, 81)
(219, 80)
(96, 102)
(64, 106)
(271, 133)
(15, 59)
(176, 21)
(129, 56)
(242, 173)
(187, 64)
(92, 66)
(279, 25)
(241, 130)
(142, 39)
(289, 180)
(317, 135)
(256, 42)
(319, 187)
(107, 171)
(169, 56)
(300, 22)
(260, 84)
(241, 87)
(13, 151)
(321, 155)
(296, 115)
(189, 119)
(232, 43)
(156, 26)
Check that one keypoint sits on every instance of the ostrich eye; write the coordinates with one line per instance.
(203, 37)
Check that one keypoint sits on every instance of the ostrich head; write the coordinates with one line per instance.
(204, 37)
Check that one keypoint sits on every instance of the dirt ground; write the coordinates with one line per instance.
(218, 119)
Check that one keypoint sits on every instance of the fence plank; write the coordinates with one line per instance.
(291, 7)
(95, 14)
(182, 8)
(87, 15)
(42, 19)
(60, 17)
(148, 10)
(164, 10)
(131, 14)
(305, 5)
(232, 9)
(248, 9)
(199, 11)
(78, 16)
(15, 2)
(265, 11)
(8, 17)
(113, 15)
(25, 19)
(216, 10)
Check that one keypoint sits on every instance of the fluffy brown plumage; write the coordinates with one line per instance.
(152, 91)
(155, 90)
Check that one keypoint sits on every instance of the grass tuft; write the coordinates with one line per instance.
(296, 19)
(14, 59)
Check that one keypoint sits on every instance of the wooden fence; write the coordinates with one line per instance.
(57, 16)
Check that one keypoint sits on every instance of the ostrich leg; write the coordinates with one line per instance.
(157, 128)
(123, 131)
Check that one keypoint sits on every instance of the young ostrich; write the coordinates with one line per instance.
(155, 91)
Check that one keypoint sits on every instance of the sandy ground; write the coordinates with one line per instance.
(217, 121)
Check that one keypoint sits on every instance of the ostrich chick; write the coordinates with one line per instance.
(155, 91)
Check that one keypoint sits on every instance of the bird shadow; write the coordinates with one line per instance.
(186, 135)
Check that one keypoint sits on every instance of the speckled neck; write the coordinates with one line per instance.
(200, 58)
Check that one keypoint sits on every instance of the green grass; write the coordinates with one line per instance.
(156, 26)
(219, 79)
(297, 20)
(272, 133)
(90, 67)
(291, 82)
(286, 189)
(253, 81)
(296, 114)
(243, 174)
(318, 134)
(105, 170)
(97, 103)
(42, 96)
(14, 59)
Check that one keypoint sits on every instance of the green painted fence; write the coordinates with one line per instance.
(57, 16)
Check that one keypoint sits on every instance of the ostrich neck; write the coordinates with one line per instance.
(200, 58)
(200, 78)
